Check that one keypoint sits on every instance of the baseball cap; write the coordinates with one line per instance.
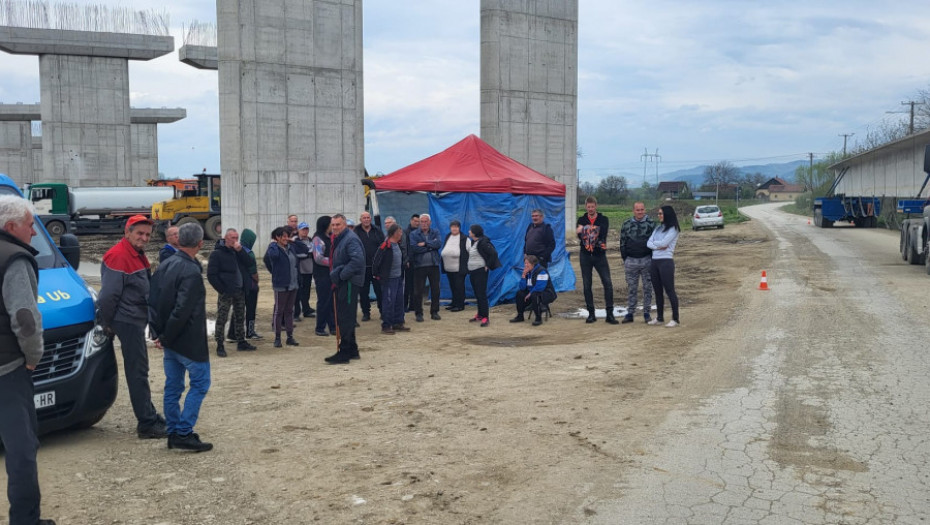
(136, 219)
(303, 226)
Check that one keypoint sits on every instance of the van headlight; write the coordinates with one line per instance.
(95, 341)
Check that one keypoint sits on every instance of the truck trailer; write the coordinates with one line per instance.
(93, 210)
(915, 232)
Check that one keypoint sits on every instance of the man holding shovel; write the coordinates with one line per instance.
(347, 275)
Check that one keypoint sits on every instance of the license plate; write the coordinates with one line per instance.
(45, 399)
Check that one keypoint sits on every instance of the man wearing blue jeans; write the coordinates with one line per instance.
(178, 320)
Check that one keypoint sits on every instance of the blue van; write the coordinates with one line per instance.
(75, 383)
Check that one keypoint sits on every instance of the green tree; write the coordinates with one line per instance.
(612, 189)
(818, 180)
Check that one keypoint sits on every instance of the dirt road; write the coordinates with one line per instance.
(819, 414)
(563, 423)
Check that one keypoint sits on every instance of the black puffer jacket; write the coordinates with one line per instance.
(177, 313)
(227, 269)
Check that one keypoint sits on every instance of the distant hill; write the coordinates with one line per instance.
(693, 176)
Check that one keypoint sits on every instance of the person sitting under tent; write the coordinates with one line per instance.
(536, 290)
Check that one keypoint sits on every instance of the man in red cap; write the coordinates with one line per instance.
(122, 310)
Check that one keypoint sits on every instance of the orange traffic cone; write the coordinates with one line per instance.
(764, 283)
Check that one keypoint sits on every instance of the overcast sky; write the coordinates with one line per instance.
(748, 82)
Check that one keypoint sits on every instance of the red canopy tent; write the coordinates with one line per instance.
(471, 166)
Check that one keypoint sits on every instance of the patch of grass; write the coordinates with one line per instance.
(617, 213)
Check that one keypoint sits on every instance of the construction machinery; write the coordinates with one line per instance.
(200, 205)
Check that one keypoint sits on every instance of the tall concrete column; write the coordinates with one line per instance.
(16, 151)
(84, 81)
(529, 87)
(291, 133)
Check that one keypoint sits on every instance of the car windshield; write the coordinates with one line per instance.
(708, 209)
(47, 257)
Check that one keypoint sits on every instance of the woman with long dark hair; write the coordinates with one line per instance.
(320, 247)
(482, 258)
(662, 242)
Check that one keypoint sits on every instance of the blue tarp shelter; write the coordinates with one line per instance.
(476, 184)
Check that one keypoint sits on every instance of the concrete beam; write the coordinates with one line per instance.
(19, 112)
(32, 112)
(156, 116)
(31, 41)
(201, 57)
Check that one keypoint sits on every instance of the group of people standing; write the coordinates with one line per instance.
(647, 249)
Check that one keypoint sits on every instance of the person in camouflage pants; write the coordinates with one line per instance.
(637, 259)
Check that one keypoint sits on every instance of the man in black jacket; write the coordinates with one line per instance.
(227, 271)
(178, 322)
(347, 274)
(539, 239)
(371, 237)
(592, 232)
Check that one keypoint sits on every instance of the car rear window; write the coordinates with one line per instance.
(708, 209)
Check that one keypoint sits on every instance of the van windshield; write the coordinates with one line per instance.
(48, 256)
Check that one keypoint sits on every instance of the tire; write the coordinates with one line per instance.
(186, 220)
(213, 228)
(818, 218)
(912, 256)
(720, 227)
(56, 228)
(903, 244)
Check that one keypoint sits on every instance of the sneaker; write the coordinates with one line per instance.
(474, 319)
(435, 317)
(419, 318)
(188, 442)
(653, 322)
(221, 351)
(366, 318)
(322, 333)
(400, 328)
(672, 324)
(485, 322)
(518, 319)
(388, 331)
(297, 319)
(277, 342)
(627, 319)
(647, 318)
(245, 346)
(291, 341)
(537, 322)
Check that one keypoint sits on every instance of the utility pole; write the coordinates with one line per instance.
(845, 136)
(811, 174)
(646, 157)
(912, 103)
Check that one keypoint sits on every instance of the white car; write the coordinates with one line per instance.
(707, 217)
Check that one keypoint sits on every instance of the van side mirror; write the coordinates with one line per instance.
(71, 248)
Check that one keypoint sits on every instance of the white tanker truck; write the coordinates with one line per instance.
(93, 210)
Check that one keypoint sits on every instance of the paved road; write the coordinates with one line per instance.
(828, 418)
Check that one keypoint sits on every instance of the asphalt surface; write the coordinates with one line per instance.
(818, 413)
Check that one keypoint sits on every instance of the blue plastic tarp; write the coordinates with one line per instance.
(504, 218)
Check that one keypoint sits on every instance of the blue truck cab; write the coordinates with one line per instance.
(76, 380)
